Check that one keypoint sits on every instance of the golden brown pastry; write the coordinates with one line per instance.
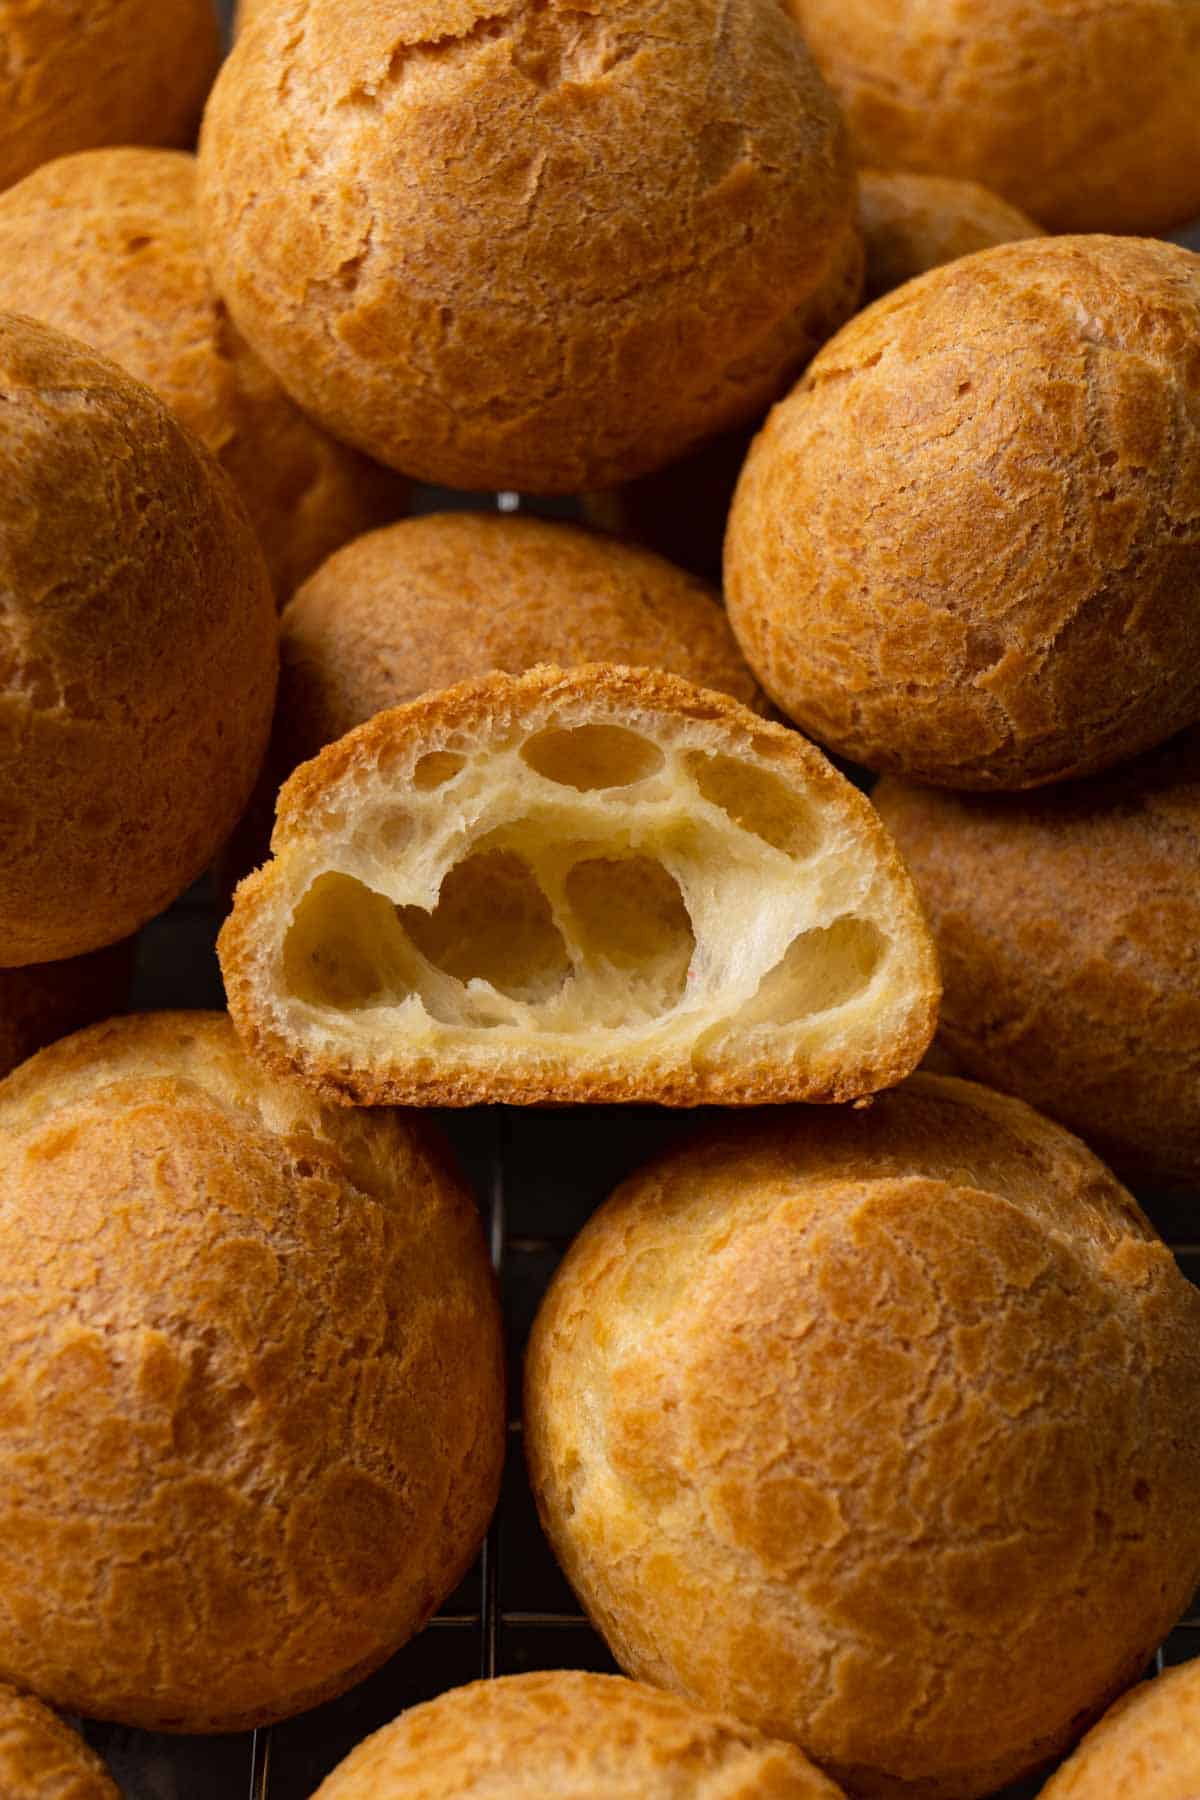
(246, 11)
(1146, 1748)
(965, 547)
(41, 1758)
(125, 72)
(876, 1428)
(913, 223)
(435, 600)
(49, 1000)
(106, 246)
(565, 1735)
(1069, 929)
(681, 510)
(137, 651)
(1084, 115)
(620, 267)
(604, 884)
(253, 1390)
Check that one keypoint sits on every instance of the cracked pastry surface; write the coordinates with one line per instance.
(41, 1758)
(1083, 114)
(431, 601)
(914, 223)
(966, 548)
(253, 1388)
(106, 246)
(619, 268)
(1068, 924)
(49, 1000)
(877, 1429)
(138, 651)
(603, 884)
(575, 1736)
(1146, 1747)
(112, 72)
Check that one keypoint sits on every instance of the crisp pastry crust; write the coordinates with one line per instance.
(622, 267)
(253, 1396)
(49, 1000)
(106, 246)
(572, 1736)
(1084, 115)
(1146, 1747)
(877, 1428)
(603, 884)
(138, 651)
(965, 549)
(1068, 924)
(914, 223)
(116, 72)
(433, 601)
(41, 1758)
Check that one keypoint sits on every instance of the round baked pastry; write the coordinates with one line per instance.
(602, 885)
(1084, 115)
(41, 1758)
(128, 72)
(876, 1429)
(573, 1736)
(137, 651)
(965, 547)
(621, 267)
(435, 600)
(1146, 1748)
(1069, 929)
(106, 246)
(254, 1398)
(913, 223)
(50, 1000)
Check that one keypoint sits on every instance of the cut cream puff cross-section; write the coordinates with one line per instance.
(598, 885)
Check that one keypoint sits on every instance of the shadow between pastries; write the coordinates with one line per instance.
(599, 885)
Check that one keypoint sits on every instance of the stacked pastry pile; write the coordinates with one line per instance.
(867, 1431)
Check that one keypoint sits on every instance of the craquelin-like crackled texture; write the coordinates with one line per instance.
(574, 1736)
(106, 246)
(966, 548)
(1068, 924)
(535, 244)
(433, 601)
(138, 651)
(252, 1391)
(1146, 1748)
(48, 1000)
(112, 72)
(41, 1758)
(914, 223)
(1081, 111)
(877, 1429)
(604, 884)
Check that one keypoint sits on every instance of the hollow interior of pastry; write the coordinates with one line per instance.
(595, 887)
